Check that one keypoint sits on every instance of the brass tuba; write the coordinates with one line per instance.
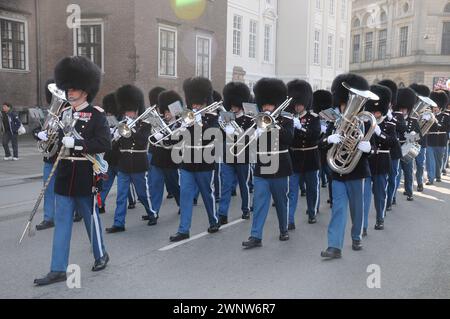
(51, 127)
(421, 109)
(343, 157)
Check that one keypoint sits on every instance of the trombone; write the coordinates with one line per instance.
(126, 130)
(228, 118)
(263, 121)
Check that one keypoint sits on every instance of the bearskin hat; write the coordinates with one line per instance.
(270, 91)
(48, 94)
(130, 98)
(198, 90)
(440, 98)
(406, 98)
(235, 94)
(167, 98)
(109, 104)
(217, 97)
(301, 93)
(420, 89)
(153, 95)
(382, 105)
(322, 100)
(393, 87)
(78, 73)
(340, 93)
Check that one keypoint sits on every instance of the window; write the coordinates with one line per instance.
(331, 7)
(403, 41)
(446, 39)
(382, 44)
(204, 57)
(368, 48)
(253, 31)
(383, 17)
(330, 50)
(317, 47)
(237, 30)
(356, 23)
(344, 9)
(406, 8)
(267, 42)
(167, 51)
(356, 48)
(341, 53)
(447, 8)
(89, 42)
(13, 44)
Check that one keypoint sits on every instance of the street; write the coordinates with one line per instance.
(413, 252)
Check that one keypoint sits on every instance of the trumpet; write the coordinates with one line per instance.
(343, 158)
(126, 130)
(263, 121)
(185, 119)
(59, 102)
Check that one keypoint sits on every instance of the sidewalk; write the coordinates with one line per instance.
(28, 167)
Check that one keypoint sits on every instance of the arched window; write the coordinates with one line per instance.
(447, 8)
(406, 8)
(383, 17)
(356, 23)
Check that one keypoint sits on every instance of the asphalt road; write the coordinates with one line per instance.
(413, 254)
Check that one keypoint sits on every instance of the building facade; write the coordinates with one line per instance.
(313, 40)
(144, 42)
(407, 41)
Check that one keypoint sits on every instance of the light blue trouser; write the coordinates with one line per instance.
(107, 185)
(393, 181)
(49, 196)
(65, 208)
(376, 185)
(159, 178)
(345, 194)
(435, 160)
(231, 173)
(420, 165)
(311, 180)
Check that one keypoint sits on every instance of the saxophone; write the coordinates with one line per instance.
(343, 157)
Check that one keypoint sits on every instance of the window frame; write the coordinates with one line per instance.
(269, 43)
(203, 37)
(91, 22)
(400, 41)
(26, 55)
(238, 51)
(163, 27)
(255, 35)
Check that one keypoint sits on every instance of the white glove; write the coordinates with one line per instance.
(229, 130)
(159, 136)
(378, 130)
(413, 133)
(297, 124)
(129, 120)
(426, 117)
(68, 142)
(389, 115)
(365, 147)
(112, 130)
(116, 135)
(198, 118)
(259, 132)
(323, 129)
(43, 136)
(334, 139)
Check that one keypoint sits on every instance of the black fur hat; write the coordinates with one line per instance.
(393, 87)
(234, 94)
(440, 98)
(270, 91)
(153, 95)
(48, 94)
(198, 90)
(420, 89)
(167, 98)
(130, 98)
(406, 98)
(382, 105)
(322, 100)
(340, 93)
(217, 97)
(301, 92)
(78, 73)
(109, 104)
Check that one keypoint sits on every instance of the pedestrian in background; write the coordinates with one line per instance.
(10, 129)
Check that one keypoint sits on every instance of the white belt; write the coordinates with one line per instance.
(437, 133)
(75, 159)
(133, 151)
(164, 147)
(383, 152)
(273, 153)
(238, 144)
(305, 149)
(199, 147)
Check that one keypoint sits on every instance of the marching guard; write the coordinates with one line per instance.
(75, 182)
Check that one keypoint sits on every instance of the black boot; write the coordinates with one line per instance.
(45, 225)
(101, 210)
(152, 220)
(379, 225)
(101, 263)
(223, 220)
(356, 245)
(77, 218)
(178, 237)
(246, 215)
(51, 278)
(312, 220)
(364, 234)
(429, 183)
(169, 196)
(214, 229)
(284, 236)
(115, 229)
(132, 206)
(410, 198)
(252, 242)
(420, 188)
(331, 253)
(291, 226)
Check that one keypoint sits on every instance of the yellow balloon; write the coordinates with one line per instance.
(188, 9)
